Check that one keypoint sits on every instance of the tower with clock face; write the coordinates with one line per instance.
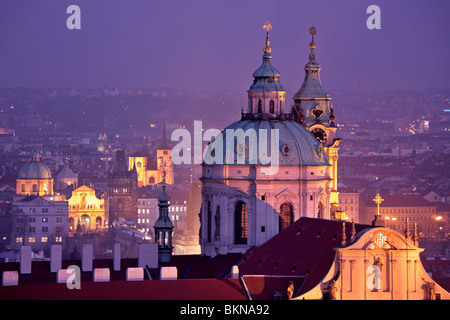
(313, 109)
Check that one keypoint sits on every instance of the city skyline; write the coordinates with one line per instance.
(199, 45)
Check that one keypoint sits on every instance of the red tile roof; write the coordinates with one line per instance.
(303, 249)
(192, 289)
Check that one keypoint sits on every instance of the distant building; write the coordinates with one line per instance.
(349, 201)
(122, 191)
(397, 208)
(65, 178)
(39, 223)
(147, 214)
(35, 178)
(152, 173)
(86, 211)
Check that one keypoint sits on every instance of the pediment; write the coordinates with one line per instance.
(285, 193)
(236, 193)
(381, 238)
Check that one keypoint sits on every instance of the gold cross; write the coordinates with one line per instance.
(378, 200)
(267, 26)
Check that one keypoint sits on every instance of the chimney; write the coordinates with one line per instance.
(135, 274)
(10, 278)
(25, 260)
(116, 257)
(55, 257)
(234, 272)
(87, 255)
(168, 273)
(148, 255)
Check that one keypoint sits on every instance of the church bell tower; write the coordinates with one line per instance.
(313, 109)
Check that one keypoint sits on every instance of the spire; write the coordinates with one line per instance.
(266, 76)
(312, 46)
(164, 228)
(267, 26)
(353, 230)
(266, 94)
(164, 145)
(344, 236)
(407, 232)
(312, 97)
(415, 238)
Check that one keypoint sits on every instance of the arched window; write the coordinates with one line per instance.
(98, 222)
(259, 106)
(240, 223)
(151, 180)
(271, 107)
(35, 188)
(286, 216)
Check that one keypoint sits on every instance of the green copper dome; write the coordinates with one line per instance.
(35, 169)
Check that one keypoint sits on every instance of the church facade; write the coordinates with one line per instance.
(245, 201)
(151, 173)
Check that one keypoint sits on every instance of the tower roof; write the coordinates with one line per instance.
(66, 172)
(266, 77)
(312, 86)
(164, 143)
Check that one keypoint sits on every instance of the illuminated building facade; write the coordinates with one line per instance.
(150, 173)
(86, 211)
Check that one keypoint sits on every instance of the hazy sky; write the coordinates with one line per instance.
(217, 44)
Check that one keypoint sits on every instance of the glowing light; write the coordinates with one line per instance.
(438, 218)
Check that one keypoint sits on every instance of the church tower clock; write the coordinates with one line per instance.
(313, 109)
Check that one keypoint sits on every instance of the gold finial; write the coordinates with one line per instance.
(312, 44)
(378, 200)
(267, 26)
(344, 236)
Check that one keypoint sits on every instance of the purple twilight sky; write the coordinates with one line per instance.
(217, 44)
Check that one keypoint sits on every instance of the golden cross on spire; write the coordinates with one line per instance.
(312, 31)
(267, 26)
(378, 200)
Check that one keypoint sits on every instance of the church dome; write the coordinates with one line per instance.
(34, 169)
(297, 146)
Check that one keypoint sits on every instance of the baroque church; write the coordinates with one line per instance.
(243, 203)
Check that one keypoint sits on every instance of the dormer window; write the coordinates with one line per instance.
(271, 107)
(259, 106)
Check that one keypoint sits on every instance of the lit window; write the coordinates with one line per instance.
(19, 240)
(32, 239)
(58, 239)
(44, 239)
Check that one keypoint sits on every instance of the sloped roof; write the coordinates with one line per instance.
(303, 249)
